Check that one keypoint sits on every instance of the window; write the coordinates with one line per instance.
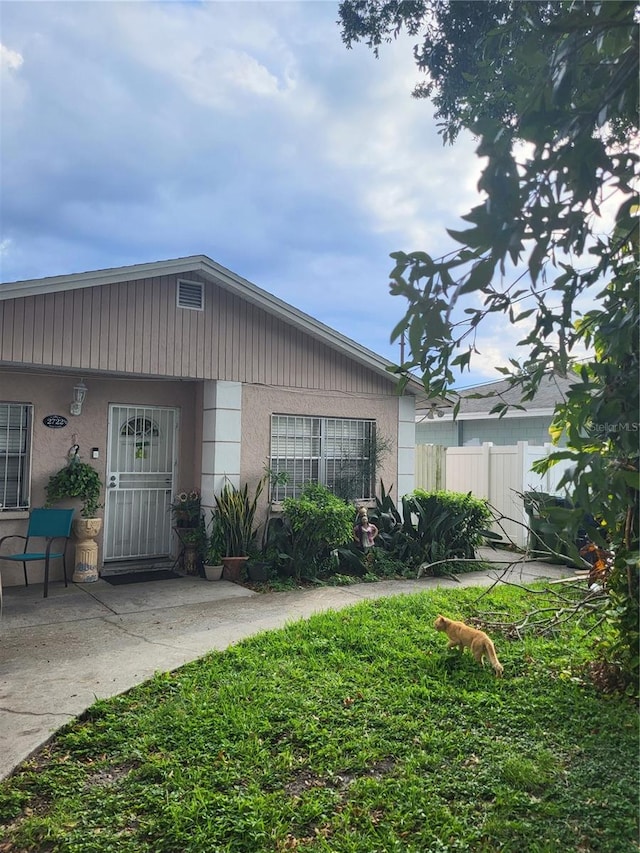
(141, 430)
(337, 452)
(15, 444)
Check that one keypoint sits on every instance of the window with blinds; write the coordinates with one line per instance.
(337, 452)
(15, 444)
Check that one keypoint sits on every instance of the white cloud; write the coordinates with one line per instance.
(246, 131)
(211, 52)
(10, 59)
(407, 181)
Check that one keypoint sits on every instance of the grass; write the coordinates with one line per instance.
(351, 731)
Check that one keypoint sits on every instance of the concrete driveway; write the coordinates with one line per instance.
(90, 641)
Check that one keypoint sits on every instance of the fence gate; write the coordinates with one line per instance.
(141, 464)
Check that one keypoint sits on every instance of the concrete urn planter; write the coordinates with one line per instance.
(212, 573)
(86, 564)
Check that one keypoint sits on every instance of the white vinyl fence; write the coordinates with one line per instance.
(499, 473)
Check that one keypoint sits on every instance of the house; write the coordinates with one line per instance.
(180, 374)
(475, 426)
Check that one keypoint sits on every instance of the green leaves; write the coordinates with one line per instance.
(550, 90)
(443, 525)
(76, 480)
(236, 513)
(479, 278)
(316, 523)
(351, 730)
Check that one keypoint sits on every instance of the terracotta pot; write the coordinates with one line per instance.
(233, 568)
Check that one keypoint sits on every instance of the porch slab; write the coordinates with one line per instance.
(175, 592)
(93, 600)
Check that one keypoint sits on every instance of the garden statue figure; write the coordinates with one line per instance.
(364, 532)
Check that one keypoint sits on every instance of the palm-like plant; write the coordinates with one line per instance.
(236, 512)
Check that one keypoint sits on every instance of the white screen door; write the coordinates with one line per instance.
(140, 478)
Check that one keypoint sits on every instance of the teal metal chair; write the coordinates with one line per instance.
(49, 525)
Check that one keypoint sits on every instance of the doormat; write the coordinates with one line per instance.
(140, 577)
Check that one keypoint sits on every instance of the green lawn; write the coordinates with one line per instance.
(351, 731)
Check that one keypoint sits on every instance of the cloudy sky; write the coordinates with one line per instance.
(246, 131)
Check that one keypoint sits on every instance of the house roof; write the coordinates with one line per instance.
(224, 278)
(551, 391)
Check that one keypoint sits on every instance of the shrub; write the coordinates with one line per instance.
(381, 564)
(313, 525)
(434, 526)
(444, 525)
(468, 518)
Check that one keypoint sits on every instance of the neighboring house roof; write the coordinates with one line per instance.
(222, 277)
(551, 391)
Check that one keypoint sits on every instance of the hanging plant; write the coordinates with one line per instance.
(76, 480)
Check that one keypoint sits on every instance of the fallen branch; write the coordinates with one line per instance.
(543, 621)
(424, 566)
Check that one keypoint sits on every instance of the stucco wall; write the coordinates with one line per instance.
(259, 403)
(51, 394)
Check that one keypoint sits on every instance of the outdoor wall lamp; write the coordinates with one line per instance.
(79, 393)
(434, 411)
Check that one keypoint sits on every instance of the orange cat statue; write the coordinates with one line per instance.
(462, 635)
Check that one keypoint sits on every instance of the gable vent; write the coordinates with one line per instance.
(190, 295)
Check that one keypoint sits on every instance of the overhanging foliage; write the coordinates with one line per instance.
(551, 92)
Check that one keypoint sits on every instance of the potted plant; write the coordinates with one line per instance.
(188, 525)
(236, 512)
(258, 570)
(79, 480)
(193, 541)
(186, 509)
(76, 480)
(215, 544)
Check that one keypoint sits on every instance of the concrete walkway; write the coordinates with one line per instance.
(90, 641)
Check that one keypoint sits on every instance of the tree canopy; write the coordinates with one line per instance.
(550, 91)
(459, 64)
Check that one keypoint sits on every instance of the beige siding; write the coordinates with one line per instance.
(135, 327)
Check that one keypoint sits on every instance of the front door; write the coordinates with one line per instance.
(141, 464)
